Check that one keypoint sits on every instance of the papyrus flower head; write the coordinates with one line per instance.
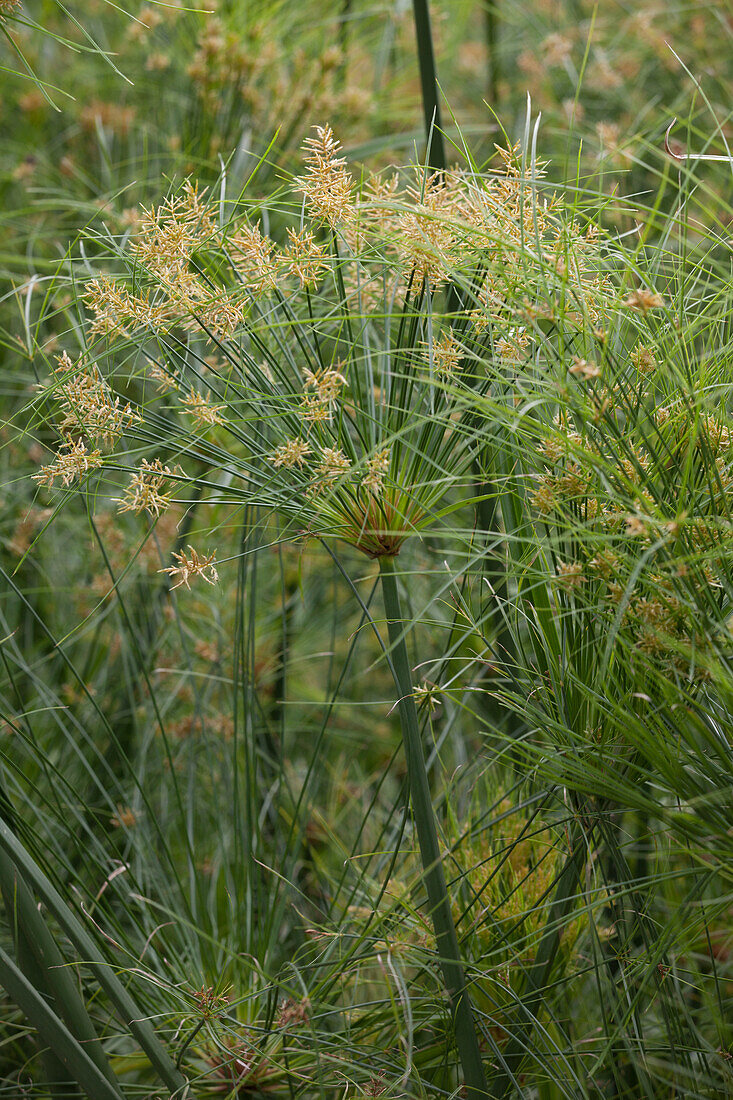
(289, 454)
(319, 335)
(377, 467)
(203, 410)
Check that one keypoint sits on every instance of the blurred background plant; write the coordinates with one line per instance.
(204, 787)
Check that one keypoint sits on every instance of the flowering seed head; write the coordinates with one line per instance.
(427, 236)
(584, 370)
(72, 461)
(447, 353)
(333, 465)
(203, 411)
(254, 262)
(116, 310)
(87, 403)
(569, 575)
(427, 696)
(165, 381)
(144, 493)
(125, 818)
(643, 300)
(191, 565)
(327, 185)
(169, 234)
(643, 359)
(292, 453)
(209, 1003)
(304, 257)
(513, 345)
(327, 385)
(377, 467)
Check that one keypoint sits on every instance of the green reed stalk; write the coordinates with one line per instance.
(427, 834)
(492, 43)
(60, 1082)
(55, 1033)
(435, 155)
(127, 1009)
(41, 961)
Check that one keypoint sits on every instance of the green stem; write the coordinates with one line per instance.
(427, 834)
(492, 43)
(54, 1033)
(40, 959)
(435, 155)
(106, 975)
(60, 1082)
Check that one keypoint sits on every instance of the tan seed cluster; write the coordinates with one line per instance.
(447, 354)
(333, 466)
(201, 408)
(290, 454)
(191, 565)
(377, 467)
(643, 300)
(583, 369)
(326, 385)
(145, 491)
(327, 185)
(73, 461)
(87, 404)
(643, 359)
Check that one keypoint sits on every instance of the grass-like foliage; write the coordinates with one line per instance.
(367, 602)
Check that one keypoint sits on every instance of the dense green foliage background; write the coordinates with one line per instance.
(205, 815)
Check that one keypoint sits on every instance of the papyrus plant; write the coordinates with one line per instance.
(316, 371)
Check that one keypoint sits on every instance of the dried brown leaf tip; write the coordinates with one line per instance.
(191, 565)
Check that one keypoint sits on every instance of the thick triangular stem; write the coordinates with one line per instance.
(435, 154)
(427, 835)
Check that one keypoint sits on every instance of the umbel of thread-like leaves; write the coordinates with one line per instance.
(311, 452)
